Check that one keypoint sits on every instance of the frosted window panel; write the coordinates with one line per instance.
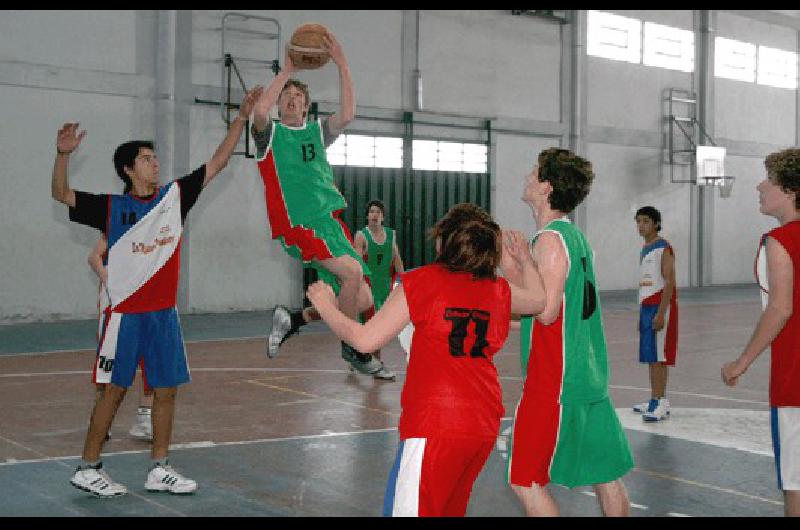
(734, 59)
(668, 47)
(336, 159)
(357, 143)
(777, 68)
(613, 37)
(426, 154)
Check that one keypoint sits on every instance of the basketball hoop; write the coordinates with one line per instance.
(710, 161)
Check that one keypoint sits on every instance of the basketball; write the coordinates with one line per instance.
(305, 47)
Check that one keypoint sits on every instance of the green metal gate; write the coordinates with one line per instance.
(414, 203)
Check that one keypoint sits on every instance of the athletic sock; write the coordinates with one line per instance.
(297, 319)
(85, 464)
(159, 462)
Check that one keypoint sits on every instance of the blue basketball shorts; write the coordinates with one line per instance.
(154, 338)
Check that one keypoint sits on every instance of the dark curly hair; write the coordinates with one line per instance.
(470, 241)
(570, 175)
(784, 168)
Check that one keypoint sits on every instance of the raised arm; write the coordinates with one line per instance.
(67, 140)
(527, 298)
(551, 260)
(774, 317)
(347, 94)
(269, 97)
(223, 153)
(510, 267)
(376, 333)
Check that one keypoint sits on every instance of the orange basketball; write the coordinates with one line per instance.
(305, 47)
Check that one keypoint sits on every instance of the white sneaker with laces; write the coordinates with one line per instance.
(661, 412)
(97, 482)
(143, 428)
(165, 478)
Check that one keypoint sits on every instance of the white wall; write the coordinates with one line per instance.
(57, 67)
(99, 68)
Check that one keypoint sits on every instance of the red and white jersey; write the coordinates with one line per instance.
(143, 258)
(452, 388)
(784, 382)
(651, 281)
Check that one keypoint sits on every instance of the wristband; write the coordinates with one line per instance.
(62, 152)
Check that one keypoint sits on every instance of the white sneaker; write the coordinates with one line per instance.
(280, 331)
(661, 412)
(143, 428)
(97, 482)
(165, 478)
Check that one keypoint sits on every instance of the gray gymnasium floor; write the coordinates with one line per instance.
(301, 436)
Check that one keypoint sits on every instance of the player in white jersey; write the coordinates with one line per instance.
(658, 314)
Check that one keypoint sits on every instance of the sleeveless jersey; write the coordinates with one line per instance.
(784, 381)
(452, 388)
(651, 281)
(567, 360)
(297, 178)
(143, 257)
(379, 261)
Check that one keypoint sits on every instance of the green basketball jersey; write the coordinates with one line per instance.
(299, 166)
(574, 346)
(379, 261)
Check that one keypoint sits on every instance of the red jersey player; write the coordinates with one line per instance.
(451, 399)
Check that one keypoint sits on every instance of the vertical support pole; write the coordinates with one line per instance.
(573, 93)
(701, 200)
(173, 112)
(407, 186)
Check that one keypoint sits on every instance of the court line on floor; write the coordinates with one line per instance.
(315, 396)
(707, 486)
(329, 371)
(58, 461)
(208, 444)
(693, 394)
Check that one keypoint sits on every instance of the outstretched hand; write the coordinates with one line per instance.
(516, 245)
(288, 66)
(68, 138)
(332, 46)
(320, 294)
(249, 101)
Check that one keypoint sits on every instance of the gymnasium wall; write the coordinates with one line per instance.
(106, 70)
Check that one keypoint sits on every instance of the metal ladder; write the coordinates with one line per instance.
(229, 61)
(688, 125)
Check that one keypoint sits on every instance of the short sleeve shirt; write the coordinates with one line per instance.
(92, 209)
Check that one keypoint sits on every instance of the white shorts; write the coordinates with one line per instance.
(786, 443)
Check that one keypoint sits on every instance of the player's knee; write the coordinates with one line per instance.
(115, 393)
(351, 272)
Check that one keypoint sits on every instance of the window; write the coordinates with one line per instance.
(734, 59)
(613, 37)
(668, 47)
(449, 156)
(385, 151)
(369, 151)
(777, 68)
